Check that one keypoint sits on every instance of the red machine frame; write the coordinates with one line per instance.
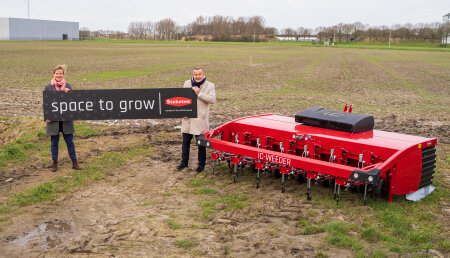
(383, 161)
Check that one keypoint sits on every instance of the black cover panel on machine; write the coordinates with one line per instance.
(336, 120)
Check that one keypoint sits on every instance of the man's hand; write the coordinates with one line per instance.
(47, 121)
(196, 90)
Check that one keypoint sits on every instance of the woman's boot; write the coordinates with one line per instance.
(75, 165)
(54, 166)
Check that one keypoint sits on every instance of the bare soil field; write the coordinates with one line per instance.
(130, 201)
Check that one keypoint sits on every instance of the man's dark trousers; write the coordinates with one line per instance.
(185, 148)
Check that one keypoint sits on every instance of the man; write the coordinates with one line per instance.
(206, 94)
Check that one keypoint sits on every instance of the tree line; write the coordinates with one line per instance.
(420, 32)
(227, 28)
(214, 26)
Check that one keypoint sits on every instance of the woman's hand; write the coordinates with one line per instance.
(48, 121)
(66, 90)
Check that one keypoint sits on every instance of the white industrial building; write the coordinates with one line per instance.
(446, 19)
(32, 29)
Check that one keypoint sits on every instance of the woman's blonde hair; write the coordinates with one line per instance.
(60, 67)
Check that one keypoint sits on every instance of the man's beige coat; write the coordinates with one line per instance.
(200, 125)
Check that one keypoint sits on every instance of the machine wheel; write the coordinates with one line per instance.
(300, 178)
(380, 190)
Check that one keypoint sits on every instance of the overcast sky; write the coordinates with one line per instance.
(117, 14)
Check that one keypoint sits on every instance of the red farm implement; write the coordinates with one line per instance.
(335, 147)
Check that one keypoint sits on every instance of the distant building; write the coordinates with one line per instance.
(32, 29)
(446, 17)
(288, 38)
(446, 38)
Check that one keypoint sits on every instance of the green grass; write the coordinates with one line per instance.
(320, 254)
(93, 171)
(172, 224)
(207, 191)
(368, 45)
(11, 152)
(373, 234)
(4, 209)
(231, 201)
(185, 243)
(376, 254)
(125, 74)
(30, 142)
(339, 227)
(83, 128)
(43, 192)
(344, 241)
(196, 182)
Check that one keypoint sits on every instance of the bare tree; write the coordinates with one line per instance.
(149, 30)
(84, 33)
(301, 32)
(165, 29)
(445, 32)
(358, 31)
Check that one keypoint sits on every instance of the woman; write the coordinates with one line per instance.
(66, 127)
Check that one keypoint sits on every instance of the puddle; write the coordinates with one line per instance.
(45, 236)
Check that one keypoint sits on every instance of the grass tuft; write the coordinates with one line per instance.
(320, 254)
(173, 225)
(337, 227)
(196, 182)
(12, 151)
(344, 241)
(185, 243)
(372, 235)
(43, 192)
(4, 209)
(210, 191)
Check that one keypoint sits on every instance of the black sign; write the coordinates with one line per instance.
(119, 104)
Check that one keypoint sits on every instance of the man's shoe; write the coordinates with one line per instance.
(54, 166)
(200, 169)
(75, 165)
(181, 166)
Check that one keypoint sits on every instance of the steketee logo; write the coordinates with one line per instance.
(178, 101)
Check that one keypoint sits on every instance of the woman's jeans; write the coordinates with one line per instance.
(70, 146)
